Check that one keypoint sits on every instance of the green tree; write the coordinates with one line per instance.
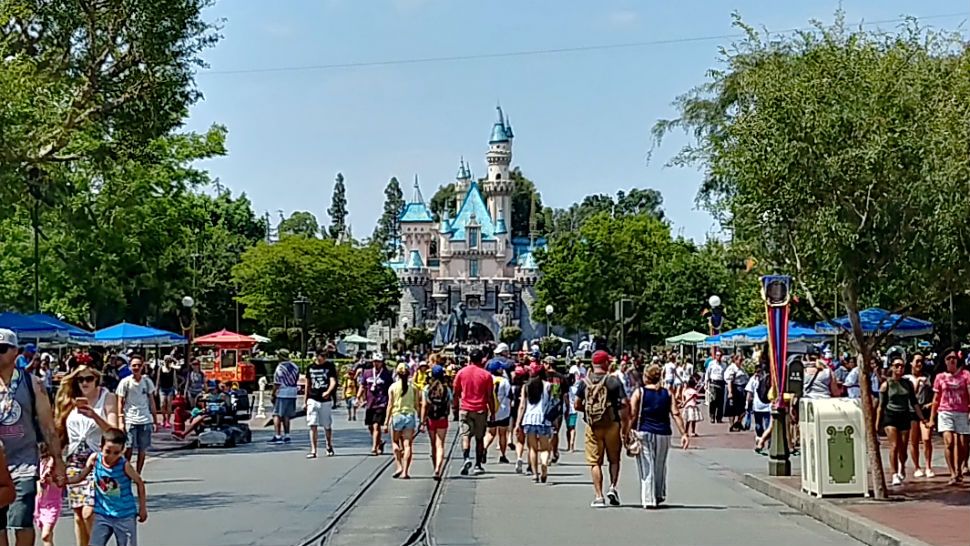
(301, 224)
(86, 84)
(388, 226)
(444, 201)
(637, 202)
(345, 285)
(523, 193)
(338, 209)
(840, 156)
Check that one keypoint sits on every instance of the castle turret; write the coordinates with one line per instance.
(462, 182)
(498, 185)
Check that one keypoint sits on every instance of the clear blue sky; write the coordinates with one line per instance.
(582, 119)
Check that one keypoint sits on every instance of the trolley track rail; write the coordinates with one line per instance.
(421, 535)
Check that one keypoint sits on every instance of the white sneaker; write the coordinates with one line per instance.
(897, 481)
(918, 473)
(929, 473)
(518, 466)
(598, 503)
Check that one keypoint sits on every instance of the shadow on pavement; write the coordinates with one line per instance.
(195, 501)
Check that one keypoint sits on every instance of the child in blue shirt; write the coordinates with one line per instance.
(115, 508)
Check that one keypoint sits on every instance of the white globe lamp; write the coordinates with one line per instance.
(714, 301)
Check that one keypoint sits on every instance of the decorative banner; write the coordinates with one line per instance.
(775, 289)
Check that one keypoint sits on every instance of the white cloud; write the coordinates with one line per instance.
(623, 17)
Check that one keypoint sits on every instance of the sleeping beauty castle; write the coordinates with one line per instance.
(466, 277)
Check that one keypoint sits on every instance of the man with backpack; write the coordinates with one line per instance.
(602, 399)
(759, 404)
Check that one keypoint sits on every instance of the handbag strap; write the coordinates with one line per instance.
(636, 418)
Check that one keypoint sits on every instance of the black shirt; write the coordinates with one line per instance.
(318, 377)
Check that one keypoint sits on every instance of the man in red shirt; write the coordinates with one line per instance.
(475, 398)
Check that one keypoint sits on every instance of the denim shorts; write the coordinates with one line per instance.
(544, 431)
(124, 530)
(140, 437)
(20, 514)
(404, 421)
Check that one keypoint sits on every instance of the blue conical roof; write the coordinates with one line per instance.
(500, 228)
(414, 260)
(500, 131)
(473, 207)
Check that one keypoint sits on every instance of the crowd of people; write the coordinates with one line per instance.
(515, 404)
(913, 398)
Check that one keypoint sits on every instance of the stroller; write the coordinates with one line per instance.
(224, 424)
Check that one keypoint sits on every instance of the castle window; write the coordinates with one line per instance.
(473, 268)
(472, 237)
(433, 249)
(498, 176)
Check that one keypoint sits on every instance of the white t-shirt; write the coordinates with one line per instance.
(503, 390)
(757, 405)
(137, 410)
(670, 371)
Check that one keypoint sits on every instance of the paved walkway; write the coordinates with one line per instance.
(925, 509)
(705, 506)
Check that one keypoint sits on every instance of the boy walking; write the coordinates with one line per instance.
(115, 507)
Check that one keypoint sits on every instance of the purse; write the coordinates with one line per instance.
(632, 442)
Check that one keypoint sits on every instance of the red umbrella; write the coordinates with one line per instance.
(225, 338)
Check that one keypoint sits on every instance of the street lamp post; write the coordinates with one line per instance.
(300, 315)
(776, 292)
(549, 311)
(189, 303)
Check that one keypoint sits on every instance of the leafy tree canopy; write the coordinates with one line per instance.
(301, 224)
(839, 156)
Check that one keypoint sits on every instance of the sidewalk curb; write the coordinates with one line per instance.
(858, 527)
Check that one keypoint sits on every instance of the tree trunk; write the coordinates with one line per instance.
(864, 346)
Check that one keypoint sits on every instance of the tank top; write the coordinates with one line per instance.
(166, 379)
(535, 414)
(113, 496)
(655, 412)
(196, 382)
(18, 430)
(404, 404)
(817, 385)
(83, 432)
(899, 396)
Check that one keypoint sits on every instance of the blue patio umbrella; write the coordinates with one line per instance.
(133, 334)
(796, 333)
(72, 331)
(30, 328)
(877, 321)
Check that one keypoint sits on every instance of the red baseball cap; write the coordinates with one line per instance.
(601, 358)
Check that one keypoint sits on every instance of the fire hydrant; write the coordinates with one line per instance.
(180, 413)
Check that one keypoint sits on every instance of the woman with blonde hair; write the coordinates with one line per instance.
(83, 410)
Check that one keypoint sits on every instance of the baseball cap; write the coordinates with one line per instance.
(476, 355)
(283, 353)
(549, 360)
(437, 372)
(30, 348)
(7, 337)
(535, 369)
(601, 358)
(493, 367)
(377, 357)
(501, 348)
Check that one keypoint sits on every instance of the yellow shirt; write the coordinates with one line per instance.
(420, 380)
(404, 404)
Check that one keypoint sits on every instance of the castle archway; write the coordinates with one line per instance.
(479, 332)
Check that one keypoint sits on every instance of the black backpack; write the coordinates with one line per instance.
(439, 404)
(764, 386)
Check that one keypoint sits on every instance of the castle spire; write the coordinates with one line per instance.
(417, 197)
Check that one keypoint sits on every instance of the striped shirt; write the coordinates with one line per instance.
(286, 377)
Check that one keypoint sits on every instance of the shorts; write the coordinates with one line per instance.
(571, 421)
(20, 514)
(899, 420)
(139, 437)
(669, 384)
(603, 438)
(80, 494)
(473, 424)
(437, 424)
(952, 421)
(319, 414)
(375, 416)
(351, 402)
(404, 421)
(500, 423)
(167, 392)
(543, 431)
(284, 408)
(124, 531)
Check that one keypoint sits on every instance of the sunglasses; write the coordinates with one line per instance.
(87, 379)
